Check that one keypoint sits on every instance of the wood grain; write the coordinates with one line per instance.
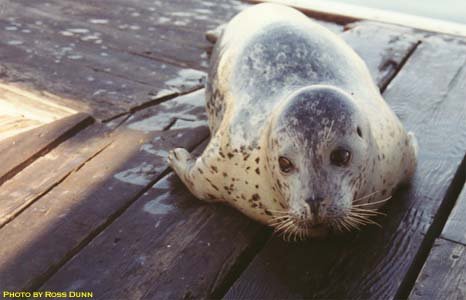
(444, 274)
(396, 44)
(18, 151)
(345, 13)
(455, 228)
(22, 110)
(49, 170)
(167, 245)
(428, 95)
(110, 56)
(56, 226)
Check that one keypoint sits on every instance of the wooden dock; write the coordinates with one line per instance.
(88, 203)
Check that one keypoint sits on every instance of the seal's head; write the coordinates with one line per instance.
(317, 151)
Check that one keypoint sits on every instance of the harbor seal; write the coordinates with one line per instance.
(301, 138)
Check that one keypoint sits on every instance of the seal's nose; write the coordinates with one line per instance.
(314, 204)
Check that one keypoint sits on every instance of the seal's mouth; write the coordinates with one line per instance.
(293, 228)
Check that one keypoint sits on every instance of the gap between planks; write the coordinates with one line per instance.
(434, 231)
(5, 221)
(76, 122)
(37, 284)
(345, 13)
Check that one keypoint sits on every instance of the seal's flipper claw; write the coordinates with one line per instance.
(178, 159)
(179, 155)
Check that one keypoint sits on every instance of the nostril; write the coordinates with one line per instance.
(314, 200)
(314, 204)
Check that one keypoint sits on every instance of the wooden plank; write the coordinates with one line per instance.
(16, 101)
(428, 94)
(13, 125)
(161, 31)
(23, 110)
(444, 274)
(49, 170)
(167, 245)
(110, 55)
(385, 63)
(455, 228)
(346, 13)
(86, 201)
(91, 86)
(185, 235)
(18, 151)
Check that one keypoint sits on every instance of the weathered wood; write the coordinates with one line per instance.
(397, 42)
(110, 55)
(167, 245)
(13, 125)
(30, 104)
(345, 13)
(86, 201)
(105, 94)
(18, 151)
(177, 216)
(23, 110)
(444, 274)
(455, 228)
(49, 170)
(428, 94)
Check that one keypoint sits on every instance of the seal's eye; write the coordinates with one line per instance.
(340, 157)
(286, 165)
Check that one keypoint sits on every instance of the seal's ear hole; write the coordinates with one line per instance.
(286, 166)
(358, 130)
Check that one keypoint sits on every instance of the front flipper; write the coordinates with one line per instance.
(193, 174)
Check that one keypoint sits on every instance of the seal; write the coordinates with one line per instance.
(302, 140)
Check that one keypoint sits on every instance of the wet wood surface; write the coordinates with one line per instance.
(455, 229)
(444, 274)
(109, 56)
(95, 207)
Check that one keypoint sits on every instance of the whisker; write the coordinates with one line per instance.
(344, 224)
(369, 211)
(369, 221)
(278, 220)
(284, 225)
(356, 220)
(367, 196)
(372, 203)
(365, 214)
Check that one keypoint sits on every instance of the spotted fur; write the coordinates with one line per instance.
(282, 85)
